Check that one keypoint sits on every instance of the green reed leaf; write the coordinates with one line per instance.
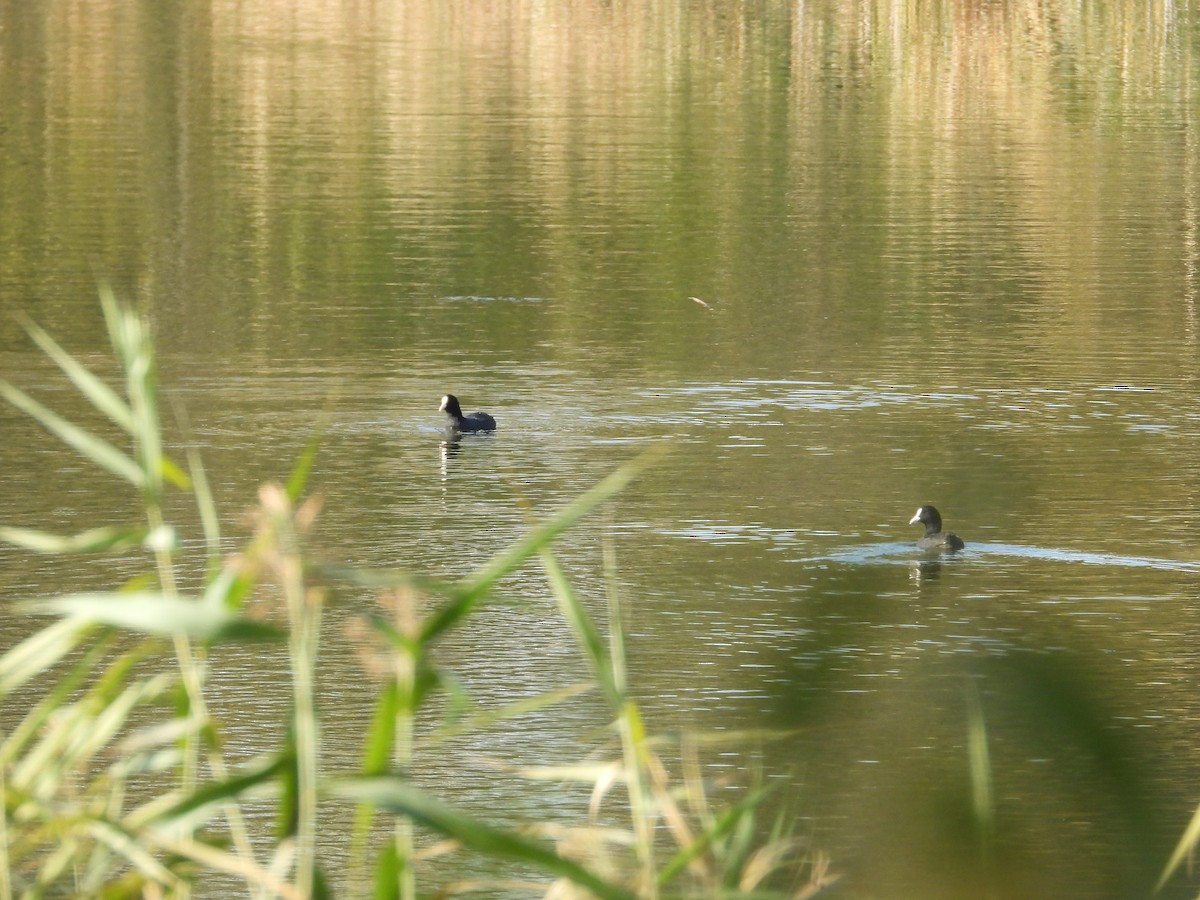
(389, 869)
(61, 691)
(210, 797)
(402, 798)
(262, 881)
(114, 709)
(585, 629)
(78, 731)
(491, 717)
(131, 848)
(151, 612)
(86, 444)
(508, 560)
(206, 505)
(38, 652)
(424, 677)
(98, 393)
(131, 339)
(980, 767)
(298, 479)
(59, 861)
(719, 827)
(95, 540)
(174, 475)
(387, 579)
(381, 737)
(227, 589)
(1183, 850)
(115, 321)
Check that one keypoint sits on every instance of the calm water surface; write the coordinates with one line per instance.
(949, 253)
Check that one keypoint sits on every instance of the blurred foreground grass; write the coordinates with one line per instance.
(112, 774)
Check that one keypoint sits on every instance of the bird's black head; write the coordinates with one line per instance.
(450, 406)
(929, 517)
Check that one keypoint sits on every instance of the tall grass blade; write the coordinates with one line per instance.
(212, 796)
(229, 588)
(130, 848)
(151, 612)
(507, 561)
(217, 860)
(205, 505)
(5, 860)
(982, 801)
(131, 340)
(389, 579)
(381, 737)
(95, 540)
(62, 859)
(38, 652)
(298, 480)
(402, 798)
(85, 444)
(98, 393)
(616, 620)
(389, 869)
(79, 731)
(585, 629)
(171, 473)
(386, 733)
(113, 320)
(61, 691)
(722, 825)
(491, 717)
(637, 758)
(1183, 850)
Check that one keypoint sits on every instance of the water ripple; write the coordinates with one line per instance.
(907, 552)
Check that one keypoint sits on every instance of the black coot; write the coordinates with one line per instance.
(935, 538)
(476, 421)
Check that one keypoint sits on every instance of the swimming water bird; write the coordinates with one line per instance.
(934, 538)
(476, 421)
